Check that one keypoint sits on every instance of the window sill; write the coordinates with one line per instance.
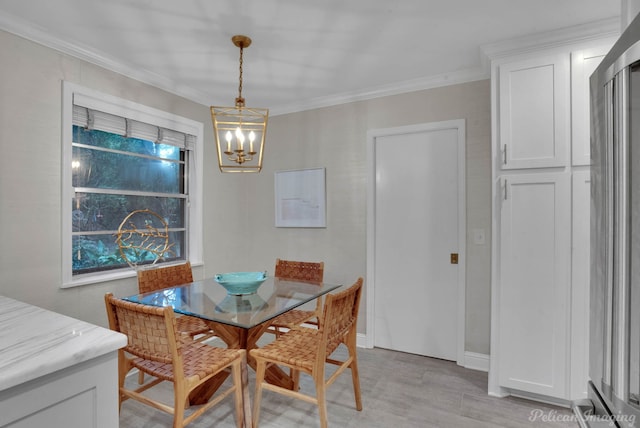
(96, 278)
(87, 279)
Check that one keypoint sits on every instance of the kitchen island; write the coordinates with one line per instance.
(56, 371)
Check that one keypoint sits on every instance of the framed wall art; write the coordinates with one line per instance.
(300, 198)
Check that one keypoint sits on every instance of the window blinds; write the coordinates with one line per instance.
(101, 121)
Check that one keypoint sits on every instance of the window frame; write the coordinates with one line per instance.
(131, 110)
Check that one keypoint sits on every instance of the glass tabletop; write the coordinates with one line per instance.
(209, 300)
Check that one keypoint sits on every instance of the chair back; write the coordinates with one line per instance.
(163, 277)
(150, 330)
(299, 271)
(340, 316)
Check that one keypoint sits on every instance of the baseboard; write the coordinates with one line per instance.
(540, 398)
(475, 361)
(472, 360)
(361, 341)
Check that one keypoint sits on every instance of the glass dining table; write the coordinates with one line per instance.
(238, 320)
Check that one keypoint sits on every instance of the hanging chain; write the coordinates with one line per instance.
(240, 85)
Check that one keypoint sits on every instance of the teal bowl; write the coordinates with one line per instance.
(238, 283)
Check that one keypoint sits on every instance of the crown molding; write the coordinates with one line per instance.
(605, 28)
(446, 79)
(39, 35)
(599, 29)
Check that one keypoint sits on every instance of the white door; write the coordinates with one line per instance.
(419, 225)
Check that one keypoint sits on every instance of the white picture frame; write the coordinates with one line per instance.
(300, 198)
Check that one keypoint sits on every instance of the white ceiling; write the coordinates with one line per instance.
(304, 53)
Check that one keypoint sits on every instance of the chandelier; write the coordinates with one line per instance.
(240, 130)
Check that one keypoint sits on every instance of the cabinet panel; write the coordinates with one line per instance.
(534, 273)
(534, 112)
(81, 396)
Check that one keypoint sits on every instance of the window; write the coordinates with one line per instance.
(119, 158)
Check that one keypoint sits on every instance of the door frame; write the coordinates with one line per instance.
(372, 135)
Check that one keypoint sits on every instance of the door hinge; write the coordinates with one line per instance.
(454, 258)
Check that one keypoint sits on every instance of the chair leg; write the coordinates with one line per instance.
(257, 397)
(355, 377)
(236, 371)
(123, 369)
(179, 403)
(295, 376)
(140, 378)
(322, 402)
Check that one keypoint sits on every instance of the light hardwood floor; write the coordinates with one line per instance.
(398, 390)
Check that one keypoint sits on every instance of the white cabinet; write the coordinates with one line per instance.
(540, 256)
(56, 371)
(82, 396)
(534, 272)
(534, 128)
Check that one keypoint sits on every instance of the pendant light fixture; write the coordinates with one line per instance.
(240, 131)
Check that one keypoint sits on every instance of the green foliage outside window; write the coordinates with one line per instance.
(114, 176)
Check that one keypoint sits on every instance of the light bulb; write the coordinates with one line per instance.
(228, 137)
(252, 137)
(240, 137)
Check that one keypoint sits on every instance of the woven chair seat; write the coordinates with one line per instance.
(199, 360)
(293, 318)
(297, 348)
(191, 326)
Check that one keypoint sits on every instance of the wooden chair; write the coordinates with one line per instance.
(309, 350)
(155, 348)
(170, 276)
(298, 271)
(157, 278)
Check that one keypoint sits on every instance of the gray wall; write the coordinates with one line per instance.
(239, 232)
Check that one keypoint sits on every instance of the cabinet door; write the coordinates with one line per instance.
(534, 118)
(583, 64)
(81, 396)
(534, 284)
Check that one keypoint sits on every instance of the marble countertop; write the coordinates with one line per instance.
(35, 342)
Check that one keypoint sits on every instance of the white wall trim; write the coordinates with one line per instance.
(361, 341)
(553, 39)
(596, 29)
(38, 35)
(26, 30)
(476, 361)
(428, 82)
(472, 360)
